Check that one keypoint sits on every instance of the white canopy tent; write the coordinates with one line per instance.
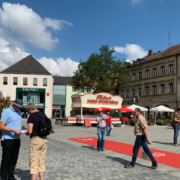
(133, 107)
(161, 109)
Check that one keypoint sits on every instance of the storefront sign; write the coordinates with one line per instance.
(76, 99)
(100, 99)
(56, 107)
(30, 89)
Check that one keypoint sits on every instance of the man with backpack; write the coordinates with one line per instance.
(39, 126)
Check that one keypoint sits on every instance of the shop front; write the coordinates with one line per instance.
(32, 95)
(83, 107)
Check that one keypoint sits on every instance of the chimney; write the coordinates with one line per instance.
(150, 52)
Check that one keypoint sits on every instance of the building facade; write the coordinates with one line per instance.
(30, 81)
(155, 80)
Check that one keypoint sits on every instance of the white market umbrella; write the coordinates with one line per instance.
(133, 107)
(161, 109)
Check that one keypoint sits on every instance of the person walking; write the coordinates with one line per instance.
(101, 124)
(176, 126)
(108, 125)
(11, 127)
(142, 139)
(38, 144)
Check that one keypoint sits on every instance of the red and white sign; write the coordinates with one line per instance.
(96, 100)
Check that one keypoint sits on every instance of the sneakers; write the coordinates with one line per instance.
(128, 166)
(175, 144)
(153, 167)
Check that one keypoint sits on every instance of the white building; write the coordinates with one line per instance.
(30, 81)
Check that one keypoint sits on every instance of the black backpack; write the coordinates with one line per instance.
(44, 126)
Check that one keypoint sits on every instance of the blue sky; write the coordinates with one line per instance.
(131, 26)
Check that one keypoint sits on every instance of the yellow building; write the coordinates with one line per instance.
(155, 80)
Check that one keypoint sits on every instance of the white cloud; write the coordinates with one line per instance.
(131, 51)
(19, 24)
(136, 1)
(60, 66)
(10, 55)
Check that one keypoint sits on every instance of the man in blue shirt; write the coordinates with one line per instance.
(10, 125)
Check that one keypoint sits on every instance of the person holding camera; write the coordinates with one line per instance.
(101, 124)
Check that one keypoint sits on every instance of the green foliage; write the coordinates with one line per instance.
(132, 121)
(159, 122)
(101, 72)
(5, 102)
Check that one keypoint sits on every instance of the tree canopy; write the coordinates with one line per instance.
(101, 72)
(5, 102)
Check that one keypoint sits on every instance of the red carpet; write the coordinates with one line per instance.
(163, 157)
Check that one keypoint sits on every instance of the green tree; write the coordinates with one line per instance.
(5, 102)
(101, 72)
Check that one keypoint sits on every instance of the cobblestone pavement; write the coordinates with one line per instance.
(68, 160)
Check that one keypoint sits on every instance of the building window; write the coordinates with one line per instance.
(154, 72)
(25, 81)
(82, 90)
(133, 77)
(127, 93)
(162, 88)
(162, 70)
(128, 77)
(122, 93)
(154, 89)
(44, 81)
(171, 69)
(133, 93)
(88, 90)
(15, 81)
(147, 90)
(73, 89)
(5, 80)
(138, 62)
(147, 73)
(34, 81)
(171, 88)
(139, 92)
(140, 75)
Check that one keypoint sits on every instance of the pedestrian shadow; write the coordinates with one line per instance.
(123, 161)
(90, 147)
(22, 174)
(165, 143)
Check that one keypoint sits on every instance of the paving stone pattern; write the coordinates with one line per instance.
(66, 161)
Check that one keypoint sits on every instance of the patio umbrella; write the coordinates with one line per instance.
(124, 109)
(133, 107)
(102, 109)
(161, 109)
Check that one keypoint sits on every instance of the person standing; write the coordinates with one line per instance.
(142, 139)
(11, 127)
(176, 126)
(38, 144)
(101, 124)
(108, 125)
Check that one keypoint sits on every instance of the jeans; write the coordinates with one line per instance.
(10, 152)
(176, 133)
(101, 138)
(141, 141)
(108, 129)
